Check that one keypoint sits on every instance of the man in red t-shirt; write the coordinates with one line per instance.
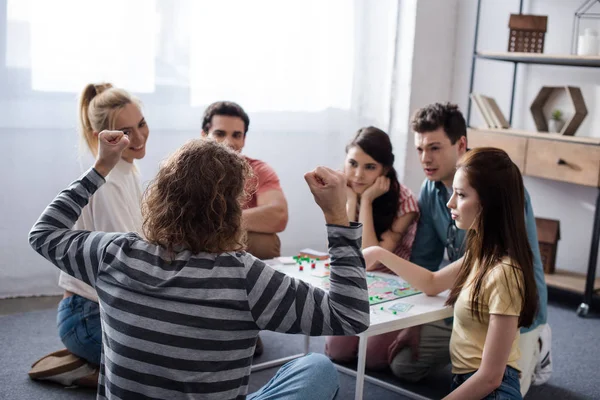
(265, 214)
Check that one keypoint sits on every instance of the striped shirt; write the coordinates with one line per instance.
(185, 326)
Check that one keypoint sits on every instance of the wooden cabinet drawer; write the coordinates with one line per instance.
(568, 162)
(514, 146)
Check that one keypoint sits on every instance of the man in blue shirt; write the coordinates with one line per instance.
(441, 139)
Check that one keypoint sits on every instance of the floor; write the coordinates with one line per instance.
(576, 344)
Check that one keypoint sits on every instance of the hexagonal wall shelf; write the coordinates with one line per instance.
(575, 98)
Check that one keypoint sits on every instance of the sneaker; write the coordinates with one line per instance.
(543, 369)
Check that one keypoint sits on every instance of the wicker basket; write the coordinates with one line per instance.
(527, 33)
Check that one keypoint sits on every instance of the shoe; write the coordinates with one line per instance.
(258, 350)
(65, 368)
(543, 369)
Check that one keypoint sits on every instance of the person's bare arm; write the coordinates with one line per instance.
(269, 216)
(430, 283)
(393, 236)
(351, 203)
(365, 217)
(498, 342)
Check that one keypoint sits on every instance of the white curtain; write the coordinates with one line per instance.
(273, 54)
(269, 55)
(309, 72)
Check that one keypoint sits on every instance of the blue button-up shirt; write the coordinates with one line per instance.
(432, 234)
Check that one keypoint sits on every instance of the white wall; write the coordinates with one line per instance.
(573, 205)
(38, 156)
(432, 71)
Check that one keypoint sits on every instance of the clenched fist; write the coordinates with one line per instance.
(329, 190)
(110, 147)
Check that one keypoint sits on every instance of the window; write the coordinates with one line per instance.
(273, 55)
(269, 55)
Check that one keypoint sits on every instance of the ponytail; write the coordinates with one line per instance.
(97, 106)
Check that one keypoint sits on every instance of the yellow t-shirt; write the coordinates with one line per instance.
(500, 296)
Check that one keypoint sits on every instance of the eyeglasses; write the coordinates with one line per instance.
(451, 247)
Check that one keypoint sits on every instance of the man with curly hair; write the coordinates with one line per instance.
(181, 308)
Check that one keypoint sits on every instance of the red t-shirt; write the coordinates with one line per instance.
(265, 179)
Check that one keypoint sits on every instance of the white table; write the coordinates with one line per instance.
(424, 309)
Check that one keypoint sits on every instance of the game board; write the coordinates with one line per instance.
(381, 289)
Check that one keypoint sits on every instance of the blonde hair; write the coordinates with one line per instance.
(195, 201)
(99, 105)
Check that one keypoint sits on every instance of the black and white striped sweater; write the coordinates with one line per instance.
(186, 327)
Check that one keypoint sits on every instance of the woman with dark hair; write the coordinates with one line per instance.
(388, 212)
(492, 288)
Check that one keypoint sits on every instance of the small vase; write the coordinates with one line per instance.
(555, 126)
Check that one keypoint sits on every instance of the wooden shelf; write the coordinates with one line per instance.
(541, 135)
(541, 58)
(570, 281)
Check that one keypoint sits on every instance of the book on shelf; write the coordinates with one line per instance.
(489, 111)
(499, 118)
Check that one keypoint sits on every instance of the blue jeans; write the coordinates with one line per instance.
(79, 327)
(509, 389)
(310, 377)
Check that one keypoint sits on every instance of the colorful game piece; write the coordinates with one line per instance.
(301, 268)
(326, 265)
(313, 265)
(394, 312)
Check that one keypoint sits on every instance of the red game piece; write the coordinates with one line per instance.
(313, 265)
(301, 268)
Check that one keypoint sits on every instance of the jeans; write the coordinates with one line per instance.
(79, 327)
(509, 389)
(310, 377)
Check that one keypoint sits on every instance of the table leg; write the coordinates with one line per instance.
(306, 344)
(591, 273)
(360, 367)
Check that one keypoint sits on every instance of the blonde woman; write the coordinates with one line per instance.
(114, 208)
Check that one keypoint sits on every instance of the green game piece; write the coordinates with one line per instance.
(381, 308)
(371, 298)
(394, 312)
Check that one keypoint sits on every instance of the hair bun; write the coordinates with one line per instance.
(101, 87)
